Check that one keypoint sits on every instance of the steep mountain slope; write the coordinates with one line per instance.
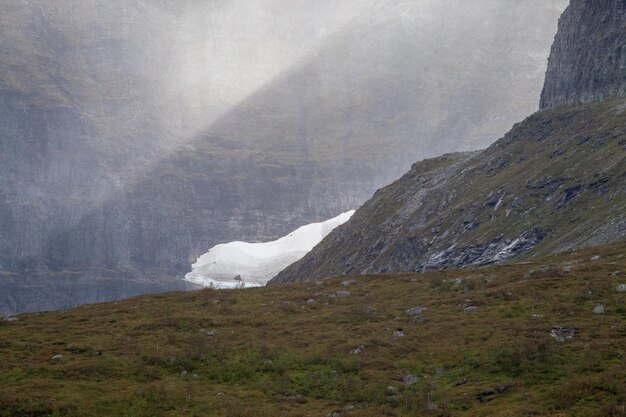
(556, 181)
(107, 170)
(517, 339)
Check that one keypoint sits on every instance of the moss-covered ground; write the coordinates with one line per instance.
(286, 350)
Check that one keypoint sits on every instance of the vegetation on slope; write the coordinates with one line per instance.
(297, 350)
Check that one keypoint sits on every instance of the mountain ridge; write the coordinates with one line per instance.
(554, 182)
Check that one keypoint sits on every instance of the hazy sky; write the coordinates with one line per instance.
(230, 49)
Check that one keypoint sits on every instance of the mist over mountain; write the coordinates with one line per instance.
(555, 182)
(136, 135)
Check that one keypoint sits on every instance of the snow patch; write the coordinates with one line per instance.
(242, 264)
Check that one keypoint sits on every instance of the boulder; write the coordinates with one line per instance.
(398, 333)
(414, 311)
(357, 350)
(341, 294)
(410, 379)
(599, 309)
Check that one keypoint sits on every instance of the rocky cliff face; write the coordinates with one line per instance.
(107, 172)
(556, 181)
(588, 59)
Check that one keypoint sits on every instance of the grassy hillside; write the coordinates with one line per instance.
(286, 350)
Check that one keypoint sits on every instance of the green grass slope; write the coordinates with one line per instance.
(289, 350)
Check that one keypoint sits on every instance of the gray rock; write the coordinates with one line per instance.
(183, 373)
(398, 333)
(357, 350)
(10, 319)
(599, 309)
(414, 311)
(57, 358)
(206, 332)
(561, 334)
(341, 294)
(621, 288)
(410, 379)
(310, 301)
(349, 283)
(470, 309)
(420, 320)
(595, 258)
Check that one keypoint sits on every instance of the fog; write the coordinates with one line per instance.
(232, 49)
(225, 51)
(135, 135)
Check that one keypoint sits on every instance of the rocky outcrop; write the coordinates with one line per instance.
(517, 198)
(588, 59)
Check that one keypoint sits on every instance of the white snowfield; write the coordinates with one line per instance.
(241, 264)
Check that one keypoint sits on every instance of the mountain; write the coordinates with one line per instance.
(134, 136)
(555, 182)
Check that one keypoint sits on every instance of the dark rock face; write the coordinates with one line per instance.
(588, 59)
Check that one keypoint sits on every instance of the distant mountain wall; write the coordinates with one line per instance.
(588, 58)
(136, 135)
